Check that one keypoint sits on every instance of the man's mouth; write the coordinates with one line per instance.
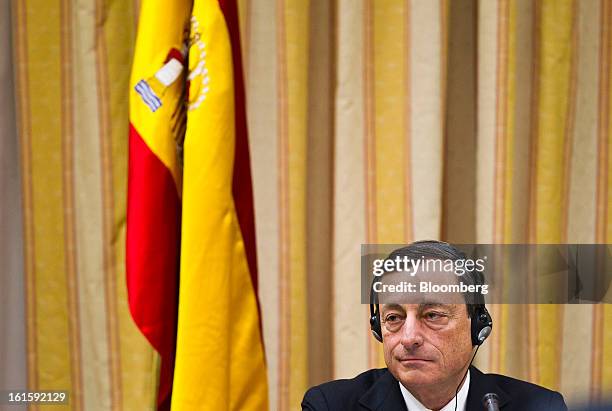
(413, 360)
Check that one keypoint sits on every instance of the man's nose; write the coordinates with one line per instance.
(411, 333)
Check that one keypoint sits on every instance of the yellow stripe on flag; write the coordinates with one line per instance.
(220, 358)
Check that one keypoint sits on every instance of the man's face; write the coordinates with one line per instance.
(426, 344)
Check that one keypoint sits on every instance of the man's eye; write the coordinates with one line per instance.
(433, 316)
(392, 318)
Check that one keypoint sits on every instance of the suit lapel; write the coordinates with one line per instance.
(384, 395)
(481, 384)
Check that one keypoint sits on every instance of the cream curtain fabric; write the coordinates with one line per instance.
(381, 121)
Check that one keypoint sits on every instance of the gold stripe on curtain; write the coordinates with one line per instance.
(391, 150)
(41, 145)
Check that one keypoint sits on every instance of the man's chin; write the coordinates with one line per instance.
(414, 373)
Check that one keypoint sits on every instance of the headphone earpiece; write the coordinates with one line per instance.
(376, 329)
(375, 326)
(481, 325)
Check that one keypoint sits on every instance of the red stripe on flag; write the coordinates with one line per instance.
(242, 189)
(241, 185)
(152, 256)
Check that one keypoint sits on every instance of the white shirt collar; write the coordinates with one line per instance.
(414, 405)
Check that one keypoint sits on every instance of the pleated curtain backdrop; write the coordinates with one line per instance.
(72, 66)
(380, 121)
(394, 121)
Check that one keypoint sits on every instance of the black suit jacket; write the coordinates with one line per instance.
(378, 390)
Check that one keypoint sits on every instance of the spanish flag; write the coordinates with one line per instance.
(190, 184)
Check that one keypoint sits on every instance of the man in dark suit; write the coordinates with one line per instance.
(429, 347)
(379, 390)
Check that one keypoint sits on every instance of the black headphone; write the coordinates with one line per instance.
(481, 323)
